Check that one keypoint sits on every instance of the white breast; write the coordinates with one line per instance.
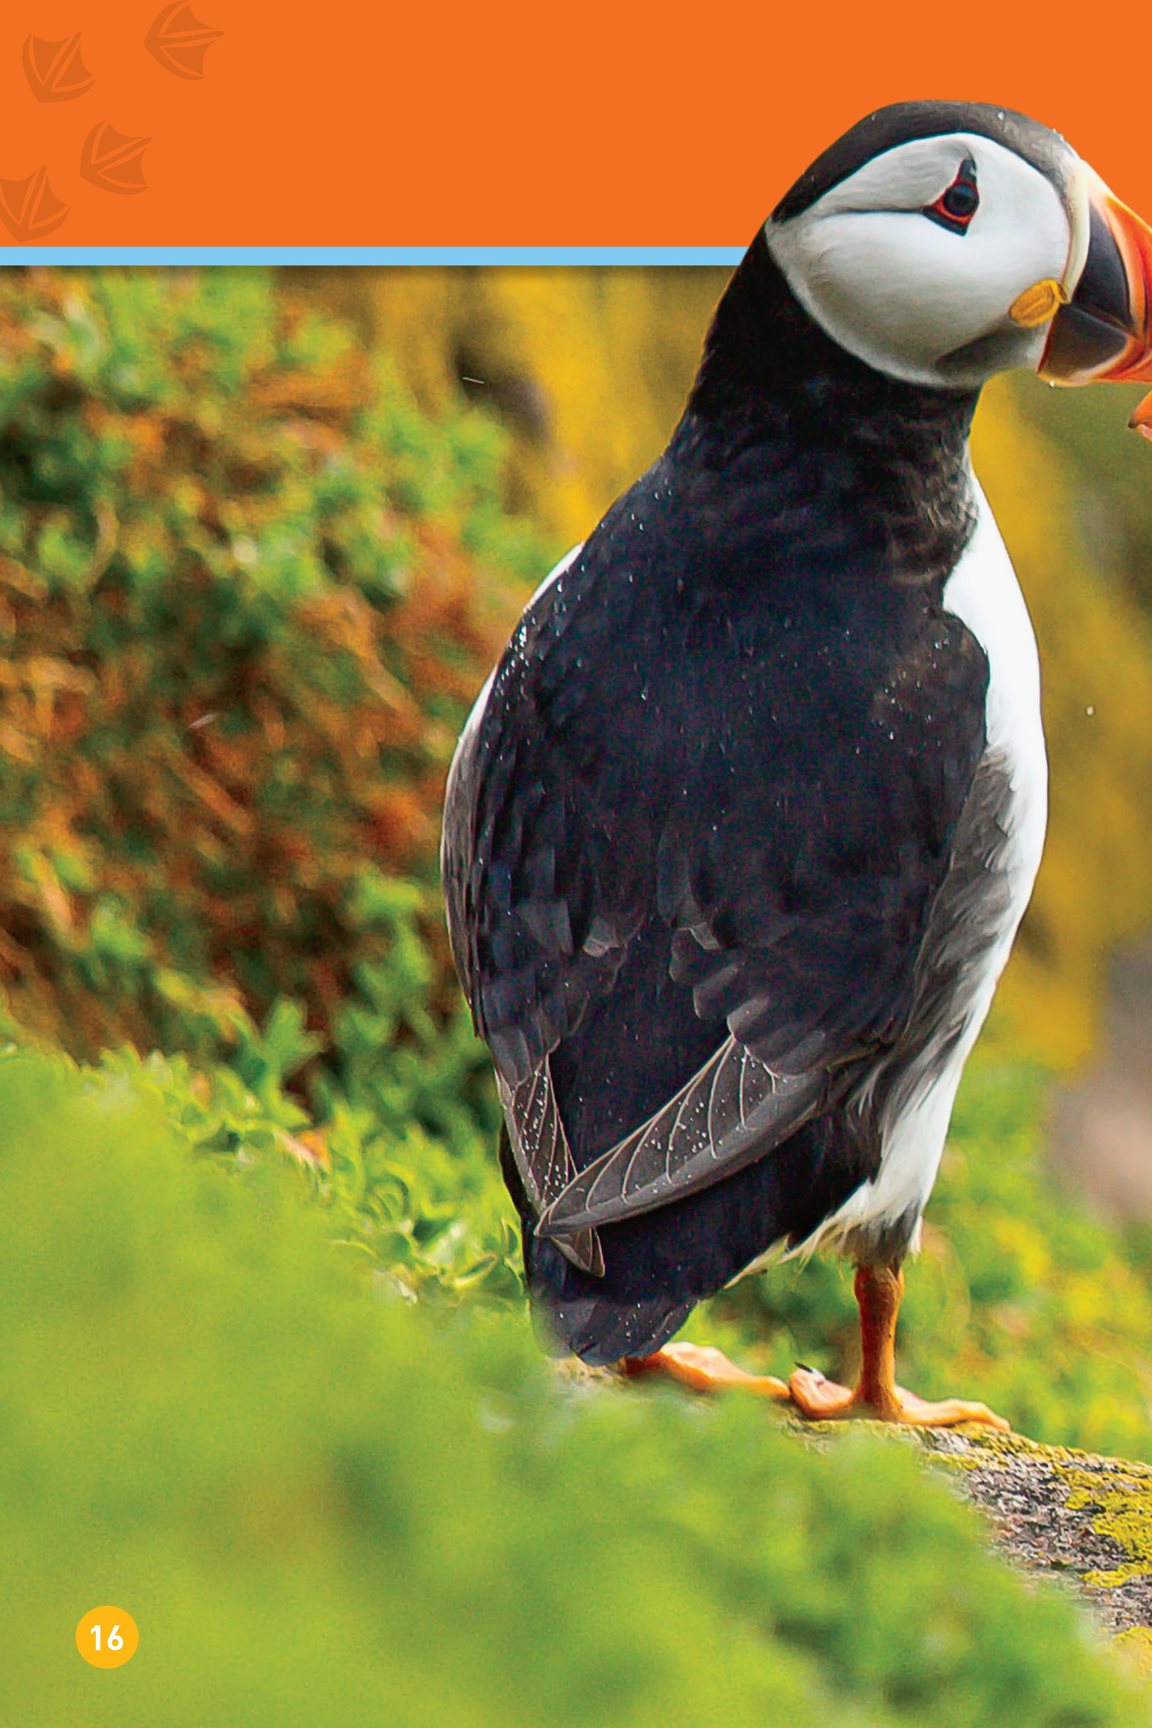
(983, 592)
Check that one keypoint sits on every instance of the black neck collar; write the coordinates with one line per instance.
(774, 392)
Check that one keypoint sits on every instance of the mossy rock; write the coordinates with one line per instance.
(1060, 1512)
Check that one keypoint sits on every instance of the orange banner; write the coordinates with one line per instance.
(220, 124)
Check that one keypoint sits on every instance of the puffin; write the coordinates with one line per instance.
(743, 824)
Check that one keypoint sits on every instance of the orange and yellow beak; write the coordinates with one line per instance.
(1105, 330)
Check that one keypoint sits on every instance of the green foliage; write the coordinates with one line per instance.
(429, 1219)
(267, 1379)
(241, 621)
(322, 1504)
(1021, 1296)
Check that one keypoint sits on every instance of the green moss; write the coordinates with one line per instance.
(1003, 1445)
(1136, 1645)
(1120, 1509)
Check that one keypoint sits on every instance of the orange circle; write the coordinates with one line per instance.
(107, 1637)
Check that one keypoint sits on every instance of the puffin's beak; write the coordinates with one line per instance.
(1105, 331)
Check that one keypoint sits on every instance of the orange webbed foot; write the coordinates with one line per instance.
(705, 1369)
(822, 1400)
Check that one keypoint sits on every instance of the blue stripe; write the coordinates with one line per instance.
(395, 255)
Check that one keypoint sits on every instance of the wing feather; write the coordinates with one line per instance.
(544, 1158)
(732, 1111)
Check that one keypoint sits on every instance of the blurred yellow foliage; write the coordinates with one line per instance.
(1095, 885)
(588, 369)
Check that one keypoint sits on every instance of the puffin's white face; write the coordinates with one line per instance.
(921, 263)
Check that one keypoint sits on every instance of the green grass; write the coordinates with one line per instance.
(323, 1502)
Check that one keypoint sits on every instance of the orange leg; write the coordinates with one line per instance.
(876, 1394)
(705, 1369)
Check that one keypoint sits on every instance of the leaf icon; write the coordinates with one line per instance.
(179, 41)
(29, 209)
(55, 70)
(111, 160)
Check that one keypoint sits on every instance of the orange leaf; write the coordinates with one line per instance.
(55, 70)
(29, 209)
(111, 160)
(179, 41)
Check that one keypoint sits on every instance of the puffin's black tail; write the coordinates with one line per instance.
(572, 1313)
(578, 1315)
(659, 1266)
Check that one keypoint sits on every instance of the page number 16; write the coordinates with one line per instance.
(107, 1637)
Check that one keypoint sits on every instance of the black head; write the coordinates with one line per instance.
(903, 122)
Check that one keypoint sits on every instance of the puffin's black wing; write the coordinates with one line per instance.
(542, 874)
(770, 771)
(543, 861)
(732, 1111)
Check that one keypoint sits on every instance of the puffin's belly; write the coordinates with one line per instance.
(983, 592)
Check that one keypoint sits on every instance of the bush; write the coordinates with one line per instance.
(243, 613)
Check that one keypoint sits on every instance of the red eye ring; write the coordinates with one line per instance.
(959, 202)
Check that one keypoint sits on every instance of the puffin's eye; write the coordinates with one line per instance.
(955, 208)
